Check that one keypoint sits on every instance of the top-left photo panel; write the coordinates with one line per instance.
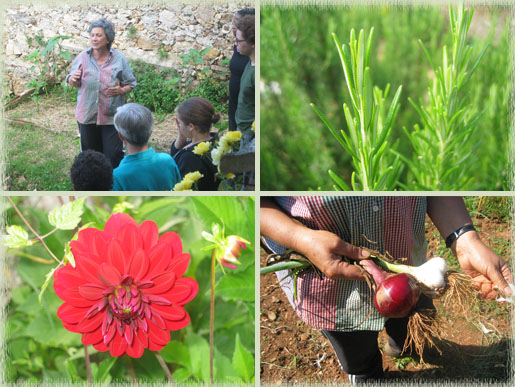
(133, 98)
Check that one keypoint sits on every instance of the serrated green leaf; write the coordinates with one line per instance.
(68, 216)
(122, 207)
(16, 237)
(243, 361)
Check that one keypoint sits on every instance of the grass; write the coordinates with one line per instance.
(38, 159)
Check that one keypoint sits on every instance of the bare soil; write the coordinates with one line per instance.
(291, 351)
(54, 113)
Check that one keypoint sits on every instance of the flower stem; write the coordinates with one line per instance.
(88, 366)
(32, 230)
(393, 267)
(212, 318)
(164, 367)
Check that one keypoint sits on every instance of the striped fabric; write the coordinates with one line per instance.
(395, 224)
(93, 105)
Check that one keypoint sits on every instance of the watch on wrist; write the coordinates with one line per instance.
(456, 234)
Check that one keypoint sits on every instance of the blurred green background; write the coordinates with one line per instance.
(300, 65)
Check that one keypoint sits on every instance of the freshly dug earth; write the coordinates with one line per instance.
(291, 351)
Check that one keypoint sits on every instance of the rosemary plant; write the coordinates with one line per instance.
(369, 123)
(442, 150)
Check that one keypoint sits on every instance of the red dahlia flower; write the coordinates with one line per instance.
(126, 291)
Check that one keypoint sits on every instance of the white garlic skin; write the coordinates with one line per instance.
(432, 273)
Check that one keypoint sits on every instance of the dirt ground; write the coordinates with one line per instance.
(58, 115)
(292, 352)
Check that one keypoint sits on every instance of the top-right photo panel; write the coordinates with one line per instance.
(385, 98)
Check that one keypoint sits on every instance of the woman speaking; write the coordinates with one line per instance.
(103, 77)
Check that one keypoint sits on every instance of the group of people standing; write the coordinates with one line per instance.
(107, 125)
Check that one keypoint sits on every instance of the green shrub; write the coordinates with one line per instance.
(157, 90)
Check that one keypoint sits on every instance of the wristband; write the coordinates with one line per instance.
(456, 234)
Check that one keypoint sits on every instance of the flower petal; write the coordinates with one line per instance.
(160, 257)
(170, 312)
(130, 239)
(94, 337)
(92, 291)
(73, 297)
(109, 275)
(183, 291)
(115, 255)
(91, 324)
(135, 349)
(100, 347)
(116, 222)
(176, 325)
(162, 283)
(71, 314)
(180, 264)
(157, 335)
(149, 234)
(173, 240)
(118, 346)
(139, 265)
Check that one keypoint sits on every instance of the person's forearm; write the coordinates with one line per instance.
(448, 213)
(278, 226)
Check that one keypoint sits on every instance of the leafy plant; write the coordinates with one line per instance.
(132, 32)
(161, 52)
(194, 56)
(157, 90)
(369, 125)
(38, 346)
(442, 150)
(50, 60)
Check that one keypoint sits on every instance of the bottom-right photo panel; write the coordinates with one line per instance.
(372, 288)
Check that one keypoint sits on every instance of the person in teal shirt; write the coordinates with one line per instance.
(143, 169)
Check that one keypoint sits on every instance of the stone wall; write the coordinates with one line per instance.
(141, 30)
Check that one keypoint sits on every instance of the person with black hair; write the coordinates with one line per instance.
(236, 66)
(91, 171)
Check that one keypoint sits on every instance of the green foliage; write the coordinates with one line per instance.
(442, 158)
(50, 60)
(194, 56)
(41, 349)
(214, 90)
(158, 90)
(299, 65)
(376, 168)
(161, 52)
(132, 32)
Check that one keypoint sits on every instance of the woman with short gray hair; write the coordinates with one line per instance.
(143, 169)
(103, 77)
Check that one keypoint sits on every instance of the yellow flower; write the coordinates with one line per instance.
(224, 147)
(254, 126)
(184, 185)
(202, 148)
(233, 135)
(193, 176)
(216, 155)
(230, 175)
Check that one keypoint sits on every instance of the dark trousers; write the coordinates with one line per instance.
(102, 138)
(358, 351)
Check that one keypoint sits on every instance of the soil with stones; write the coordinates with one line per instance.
(473, 346)
(55, 113)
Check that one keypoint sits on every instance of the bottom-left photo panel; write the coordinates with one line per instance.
(106, 289)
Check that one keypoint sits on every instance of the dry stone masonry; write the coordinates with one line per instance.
(141, 31)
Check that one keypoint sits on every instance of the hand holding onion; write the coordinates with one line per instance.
(325, 249)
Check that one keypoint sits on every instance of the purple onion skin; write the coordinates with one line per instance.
(396, 294)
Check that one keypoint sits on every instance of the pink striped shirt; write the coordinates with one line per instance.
(93, 105)
(396, 224)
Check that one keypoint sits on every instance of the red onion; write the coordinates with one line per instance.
(396, 294)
